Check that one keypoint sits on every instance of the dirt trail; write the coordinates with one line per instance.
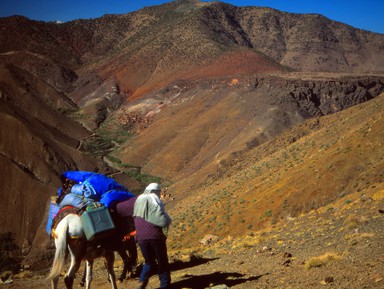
(338, 248)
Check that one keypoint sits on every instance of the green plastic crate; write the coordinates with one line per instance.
(97, 223)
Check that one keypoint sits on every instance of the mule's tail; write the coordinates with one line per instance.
(61, 247)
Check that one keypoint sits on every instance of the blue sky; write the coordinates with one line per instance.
(367, 14)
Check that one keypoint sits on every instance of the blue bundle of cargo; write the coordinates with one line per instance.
(92, 192)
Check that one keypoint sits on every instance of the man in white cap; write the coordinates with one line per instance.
(150, 220)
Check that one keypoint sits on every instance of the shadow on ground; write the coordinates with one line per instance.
(180, 265)
(194, 281)
(216, 278)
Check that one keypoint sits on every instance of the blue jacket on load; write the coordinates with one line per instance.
(99, 187)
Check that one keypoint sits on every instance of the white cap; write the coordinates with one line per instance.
(153, 187)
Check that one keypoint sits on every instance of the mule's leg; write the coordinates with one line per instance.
(70, 276)
(54, 282)
(89, 268)
(110, 258)
(68, 280)
(76, 250)
(126, 264)
(83, 279)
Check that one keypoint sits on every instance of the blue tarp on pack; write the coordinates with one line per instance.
(94, 186)
(53, 209)
(115, 196)
(98, 182)
(74, 200)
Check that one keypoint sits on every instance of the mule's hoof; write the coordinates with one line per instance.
(68, 282)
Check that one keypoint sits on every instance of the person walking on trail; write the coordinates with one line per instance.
(151, 220)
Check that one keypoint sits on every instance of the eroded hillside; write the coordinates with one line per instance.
(307, 167)
(257, 151)
(184, 127)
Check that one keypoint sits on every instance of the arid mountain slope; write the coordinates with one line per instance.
(312, 165)
(192, 125)
(37, 143)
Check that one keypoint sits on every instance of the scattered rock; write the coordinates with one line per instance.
(6, 278)
(208, 240)
(26, 267)
(267, 249)
(287, 255)
(365, 198)
(287, 262)
(327, 280)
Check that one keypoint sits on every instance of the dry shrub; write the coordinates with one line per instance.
(379, 195)
(351, 223)
(322, 260)
(355, 238)
(247, 242)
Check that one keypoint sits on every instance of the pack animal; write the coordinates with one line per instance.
(127, 251)
(70, 238)
(114, 192)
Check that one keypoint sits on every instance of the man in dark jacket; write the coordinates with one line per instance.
(150, 221)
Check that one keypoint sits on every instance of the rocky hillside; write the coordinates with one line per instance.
(191, 39)
(210, 122)
(310, 166)
(191, 93)
(38, 143)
